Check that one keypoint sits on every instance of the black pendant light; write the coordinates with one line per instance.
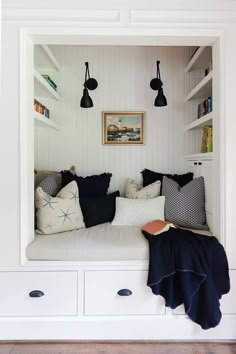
(160, 100)
(91, 84)
(156, 84)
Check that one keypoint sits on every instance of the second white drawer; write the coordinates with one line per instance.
(120, 293)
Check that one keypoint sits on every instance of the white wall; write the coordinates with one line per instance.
(123, 75)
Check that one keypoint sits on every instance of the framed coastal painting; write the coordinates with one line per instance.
(121, 128)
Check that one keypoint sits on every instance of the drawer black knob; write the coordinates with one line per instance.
(36, 293)
(124, 292)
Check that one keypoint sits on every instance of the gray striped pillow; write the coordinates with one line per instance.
(185, 206)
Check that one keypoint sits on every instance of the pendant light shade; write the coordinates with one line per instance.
(86, 100)
(91, 84)
(160, 100)
(156, 85)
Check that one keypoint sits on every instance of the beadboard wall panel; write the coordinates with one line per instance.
(123, 75)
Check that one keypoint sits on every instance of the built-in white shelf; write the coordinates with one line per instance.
(203, 89)
(44, 58)
(41, 120)
(200, 59)
(42, 88)
(200, 122)
(199, 156)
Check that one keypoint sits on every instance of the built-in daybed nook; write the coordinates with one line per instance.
(122, 188)
(169, 142)
(139, 158)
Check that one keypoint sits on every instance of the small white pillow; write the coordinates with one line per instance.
(135, 191)
(61, 213)
(138, 212)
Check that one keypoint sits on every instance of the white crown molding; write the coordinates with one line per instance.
(148, 17)
(117, 16)
(94, 16)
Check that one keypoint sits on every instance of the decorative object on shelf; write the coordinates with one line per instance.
(89, 84)
(204, 107)
(121, 128)
(156, 85)
(207, 142)
(50, 81)
(40, 108)
(209, 68)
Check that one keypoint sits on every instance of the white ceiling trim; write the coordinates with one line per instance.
(119, 16)
(107, 16)
(151, 17)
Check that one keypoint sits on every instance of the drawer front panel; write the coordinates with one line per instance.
(59, 290)
(134, 298)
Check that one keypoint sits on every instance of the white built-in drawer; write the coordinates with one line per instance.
(58, 290)
(102, 298)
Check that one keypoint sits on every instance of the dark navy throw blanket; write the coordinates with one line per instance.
(190, 269)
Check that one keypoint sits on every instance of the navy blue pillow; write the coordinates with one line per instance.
(90, 186)
(151, 177)
(99, 210)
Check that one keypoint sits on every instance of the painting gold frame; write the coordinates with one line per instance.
(123, 128)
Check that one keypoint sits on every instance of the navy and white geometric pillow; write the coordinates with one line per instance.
(185, 206)
(60, 213)
(49, 185)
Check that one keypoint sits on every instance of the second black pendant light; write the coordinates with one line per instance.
(156, 84)
(89, 84)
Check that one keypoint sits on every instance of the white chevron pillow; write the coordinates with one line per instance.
(134, 191)
(61, 213)
(138, 212)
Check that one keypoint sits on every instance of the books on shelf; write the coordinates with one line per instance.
(207, 141)
(40, 108)
(50, 81)
(204, 107)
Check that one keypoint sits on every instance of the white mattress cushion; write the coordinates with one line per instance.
(98, 243)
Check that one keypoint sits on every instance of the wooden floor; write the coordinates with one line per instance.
(118, 348)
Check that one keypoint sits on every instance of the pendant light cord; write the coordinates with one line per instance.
(86, 73)
(158, 70)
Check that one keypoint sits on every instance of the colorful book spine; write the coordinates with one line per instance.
(207, 140)
(40, 108)
(204, 139)
(204, 107)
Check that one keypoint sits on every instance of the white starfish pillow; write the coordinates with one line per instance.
(134, 191)
(61, 213)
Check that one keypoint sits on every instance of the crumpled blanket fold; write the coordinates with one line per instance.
(190, 269)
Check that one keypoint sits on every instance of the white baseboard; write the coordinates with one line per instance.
(133, 328)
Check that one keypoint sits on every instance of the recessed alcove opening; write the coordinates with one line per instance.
(73, 136)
